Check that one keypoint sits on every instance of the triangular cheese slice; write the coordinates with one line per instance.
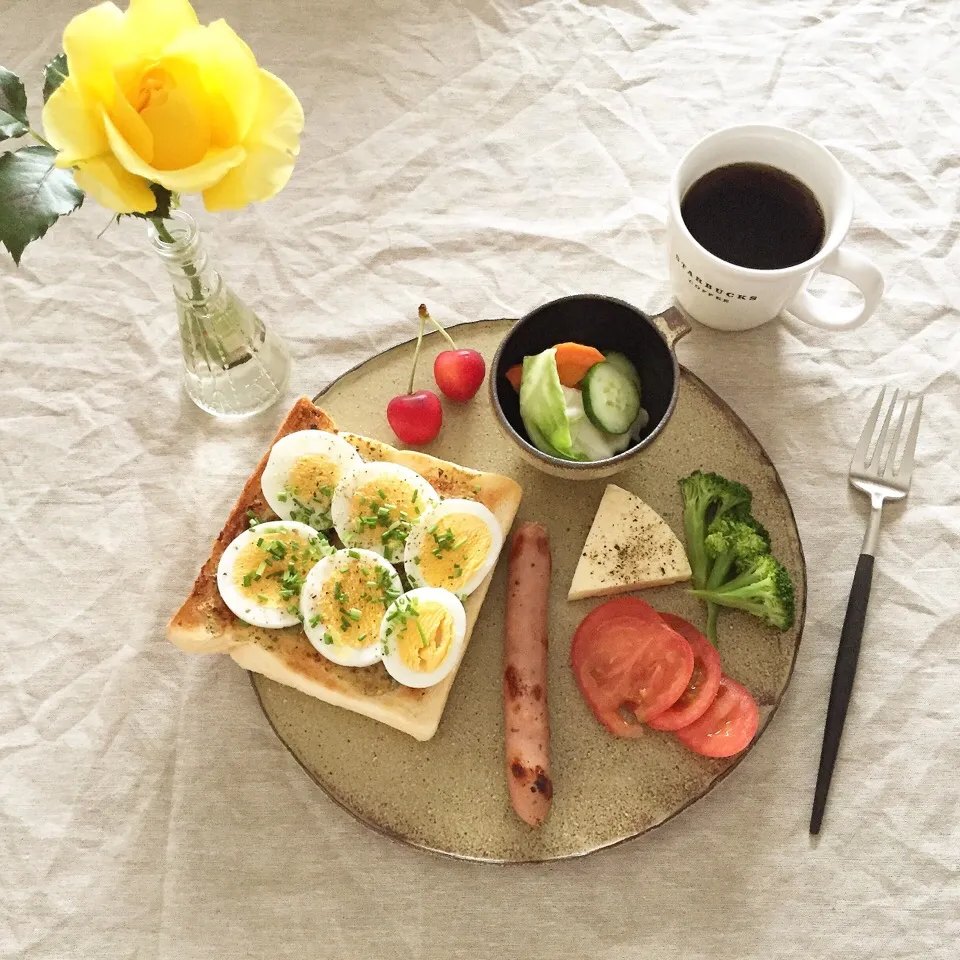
(629, 547)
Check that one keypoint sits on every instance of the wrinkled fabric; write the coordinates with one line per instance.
(482, 156)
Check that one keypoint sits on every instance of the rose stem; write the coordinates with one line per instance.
(188, 268)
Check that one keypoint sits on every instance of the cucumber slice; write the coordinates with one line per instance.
(623, 363)
(611, 398)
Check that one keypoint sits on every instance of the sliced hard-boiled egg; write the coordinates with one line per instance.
(261, 572)
(301, 472)
(455, 546)
(377, 505)
(343, 603)
(422, 635)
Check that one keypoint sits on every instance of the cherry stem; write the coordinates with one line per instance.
(416, 353)
(424, 315)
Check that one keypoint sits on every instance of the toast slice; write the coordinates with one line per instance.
(629, 547)
(204, 624)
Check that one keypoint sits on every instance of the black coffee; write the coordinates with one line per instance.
(754, 215)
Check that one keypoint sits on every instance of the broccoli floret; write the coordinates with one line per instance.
(706, 498)
(763, 588)
(733, 543)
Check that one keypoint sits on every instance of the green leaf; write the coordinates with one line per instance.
(54, 74)
(13, 106)
(34, 194)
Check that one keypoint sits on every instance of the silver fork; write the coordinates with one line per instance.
(880, 478)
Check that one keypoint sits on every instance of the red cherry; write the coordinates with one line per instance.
(459, 373)
(415, 418)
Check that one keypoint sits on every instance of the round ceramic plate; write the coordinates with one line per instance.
(450, 794)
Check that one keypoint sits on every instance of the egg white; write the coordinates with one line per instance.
(275, 481)
(346, 524)
(391, 657)
(247, 608)
(319, 576)
(421, 540)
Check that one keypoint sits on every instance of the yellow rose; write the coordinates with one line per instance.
(153, 97)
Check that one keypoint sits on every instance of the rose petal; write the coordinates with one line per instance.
(230, 75)
(151, 25)
(72, 126)
(177, 116)
(272, 146)
(117, 189)
(279, 119)
(192, 179)
(261, 176)
(93, 41)
(130, 124)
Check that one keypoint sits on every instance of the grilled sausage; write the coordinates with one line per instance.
(527, 722)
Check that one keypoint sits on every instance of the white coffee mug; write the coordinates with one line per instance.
(729, 297)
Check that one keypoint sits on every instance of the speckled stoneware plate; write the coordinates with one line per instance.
(450, 795)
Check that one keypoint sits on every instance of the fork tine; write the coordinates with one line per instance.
(860, 454)
(878, 449)
(906, 462)
(890, 462)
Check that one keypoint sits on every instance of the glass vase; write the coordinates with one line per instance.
(234, 366)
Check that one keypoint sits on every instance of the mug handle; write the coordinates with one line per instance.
(861, 273)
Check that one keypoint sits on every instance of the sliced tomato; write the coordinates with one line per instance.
(703, 685)
(626, 660)
(727, 727)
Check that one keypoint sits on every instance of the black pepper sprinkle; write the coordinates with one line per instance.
(638, 550)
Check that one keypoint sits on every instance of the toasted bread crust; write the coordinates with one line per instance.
(204, 624)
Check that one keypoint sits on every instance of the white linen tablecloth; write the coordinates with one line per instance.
(483, 156)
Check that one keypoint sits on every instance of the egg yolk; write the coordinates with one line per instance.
(453, 550)
(424, 637)
(270, 570)
(353, 601)
(312, 479)
(384, 512)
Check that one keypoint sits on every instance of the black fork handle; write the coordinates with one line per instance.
(843, 675)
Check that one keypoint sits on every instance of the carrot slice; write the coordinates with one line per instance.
(514, 375)
(574, 360)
